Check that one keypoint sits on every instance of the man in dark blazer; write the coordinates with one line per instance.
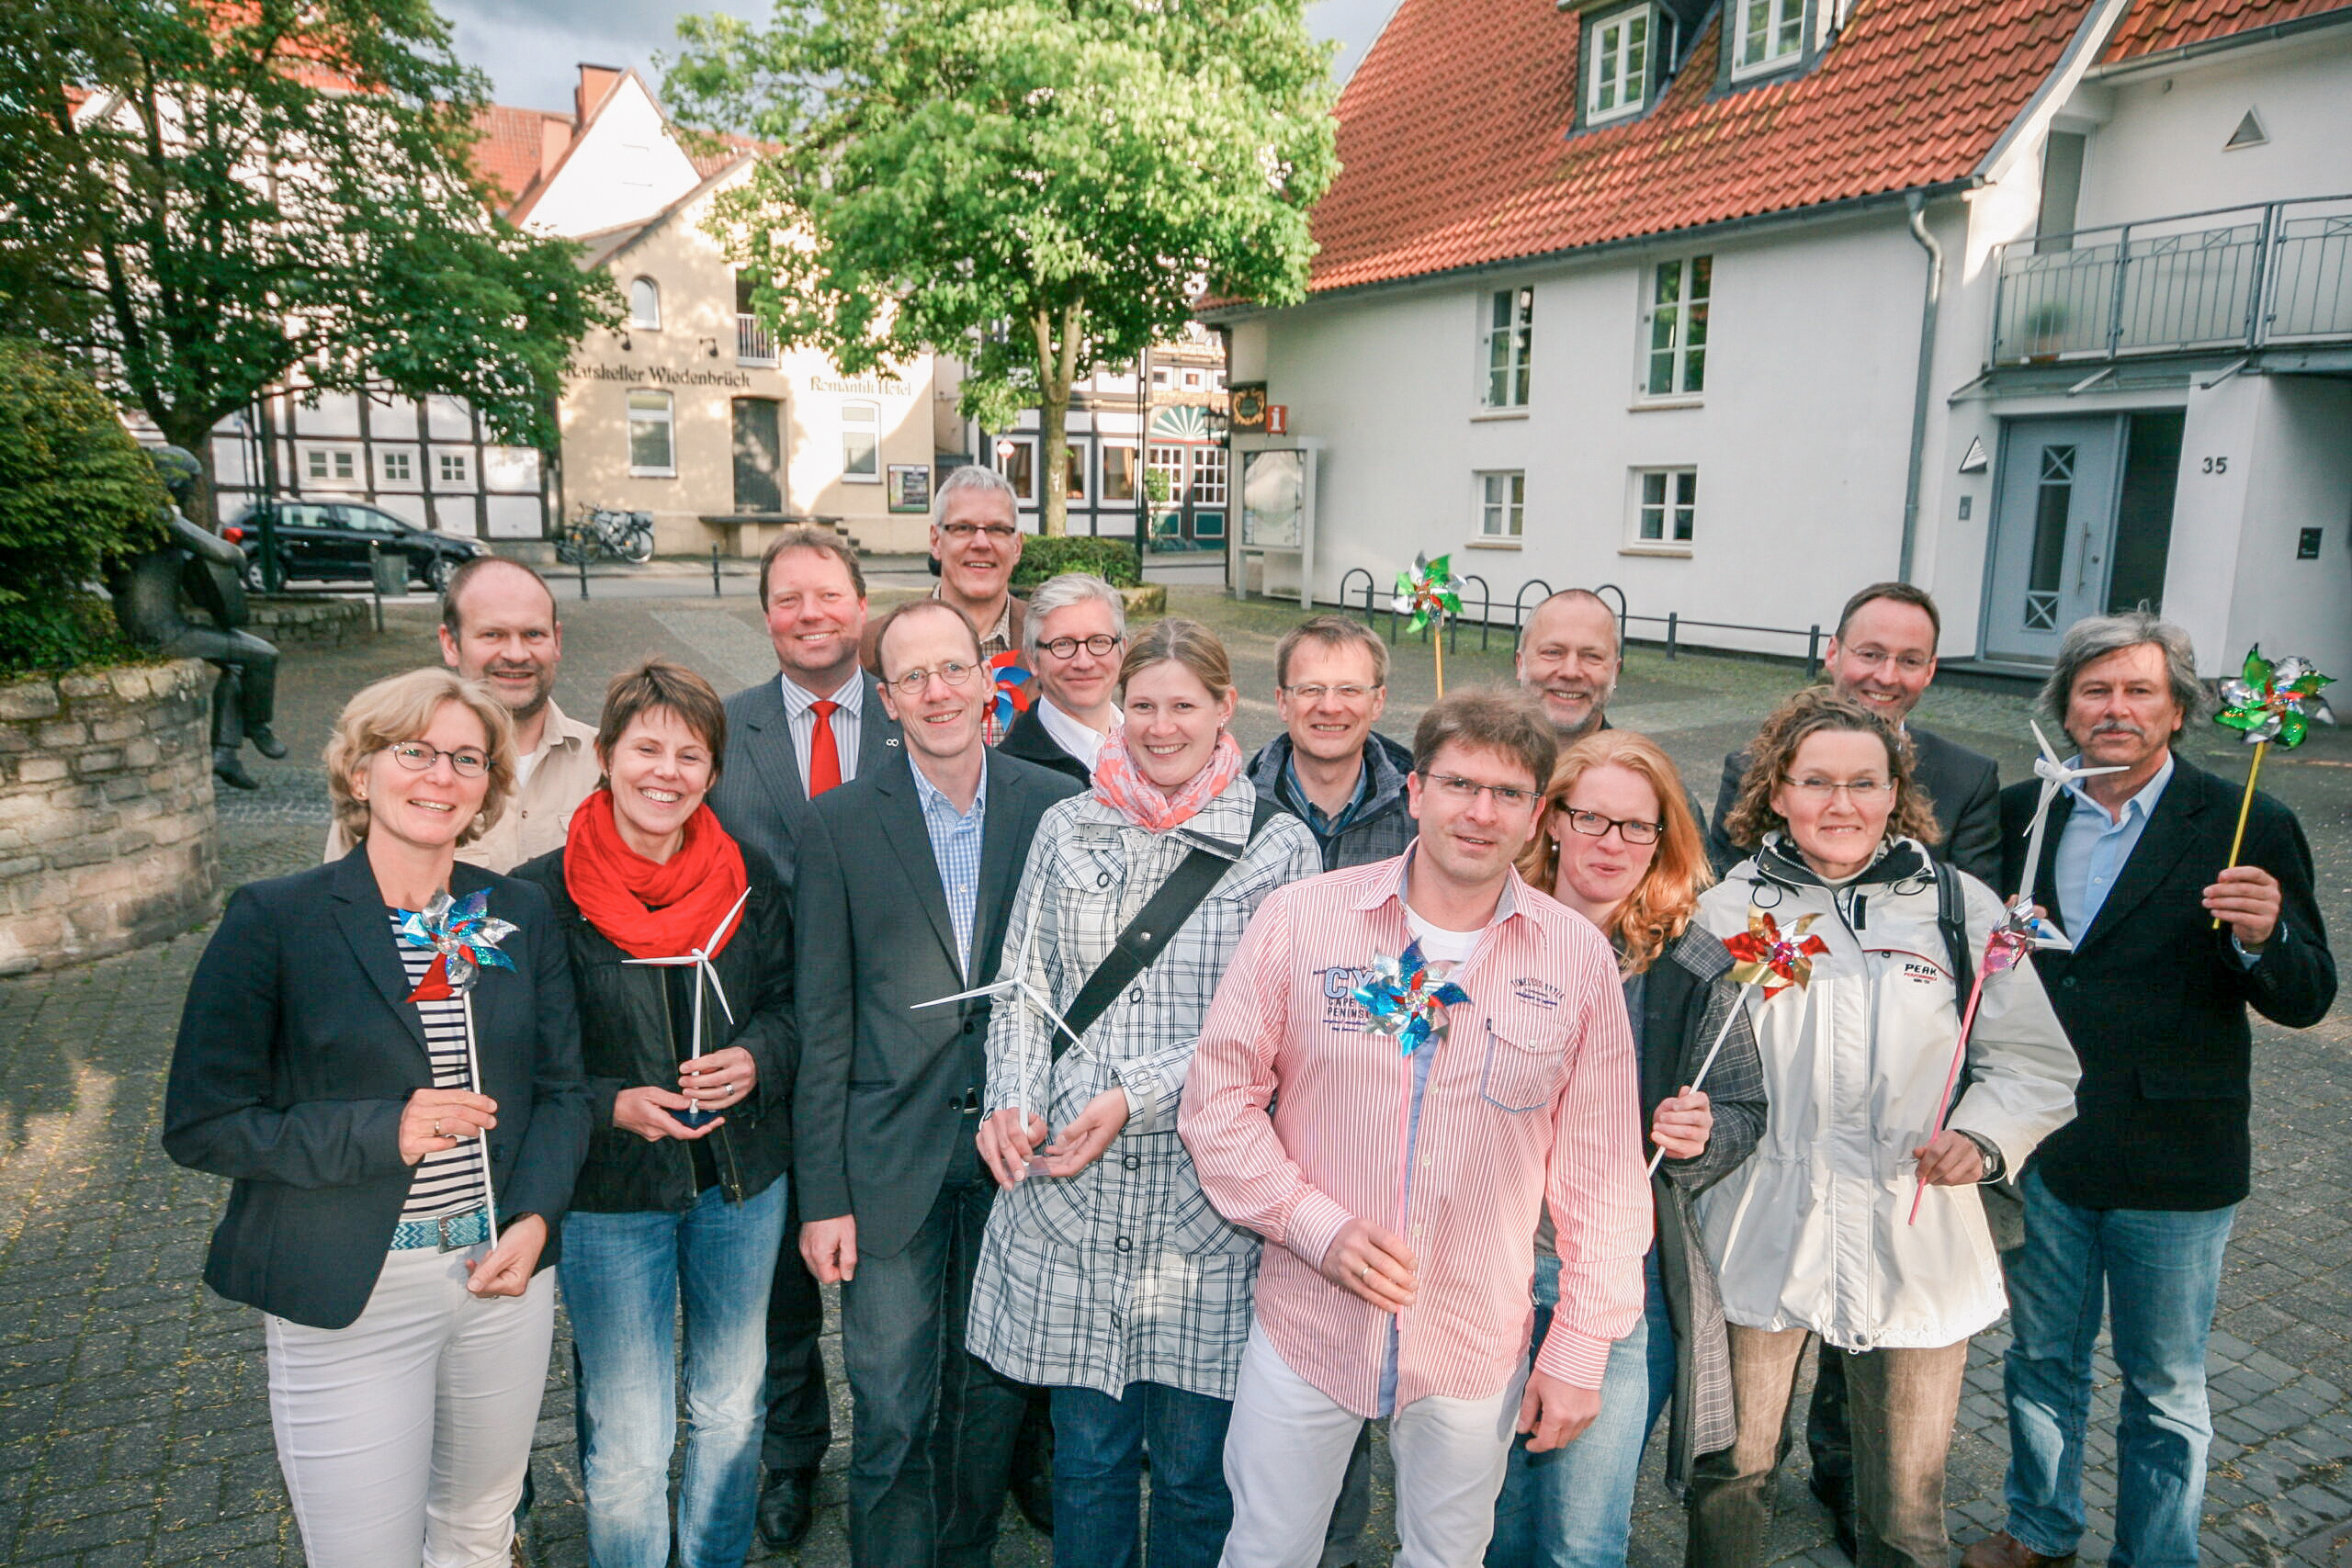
(2132, 1200)
(817, 725)
(906, 883)
(1884, 656)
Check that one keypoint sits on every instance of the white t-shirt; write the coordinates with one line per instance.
(1438, 944)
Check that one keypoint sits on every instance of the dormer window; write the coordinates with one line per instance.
(1769, 35)
(1620, 66)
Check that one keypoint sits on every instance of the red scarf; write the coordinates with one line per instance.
(649, 909)
(1121, 786)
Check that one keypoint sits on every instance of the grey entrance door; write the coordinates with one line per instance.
(759, 456)
(2053, 529)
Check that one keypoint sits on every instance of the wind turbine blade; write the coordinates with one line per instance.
(990, 990)
(1043, 1006)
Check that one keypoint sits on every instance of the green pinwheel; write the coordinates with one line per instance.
(1429, 594)
(2275, 702)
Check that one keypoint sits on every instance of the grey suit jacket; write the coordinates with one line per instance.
(761, 797)
(878, 1108)
(1965, 787)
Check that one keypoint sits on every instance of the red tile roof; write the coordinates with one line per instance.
(508, 152)
(1454, 148)
(2151, 27)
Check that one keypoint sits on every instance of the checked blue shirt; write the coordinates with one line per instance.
(956, 848)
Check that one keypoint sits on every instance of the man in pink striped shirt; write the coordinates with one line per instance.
(1398, 1190)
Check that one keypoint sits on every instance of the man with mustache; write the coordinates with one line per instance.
(2129, 1206)
(498, 627)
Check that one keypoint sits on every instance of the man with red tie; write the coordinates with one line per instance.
(816, 725)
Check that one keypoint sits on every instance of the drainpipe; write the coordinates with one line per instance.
(1929, 304)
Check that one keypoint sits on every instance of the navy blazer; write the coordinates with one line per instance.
(297, 1053)
(2154, 999)
(760, 797)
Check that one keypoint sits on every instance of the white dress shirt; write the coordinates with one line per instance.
(1073, 736)
(799, 710)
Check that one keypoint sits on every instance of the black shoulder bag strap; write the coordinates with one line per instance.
(1155, 926)
(1952, 918)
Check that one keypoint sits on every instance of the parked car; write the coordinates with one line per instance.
(326, 541)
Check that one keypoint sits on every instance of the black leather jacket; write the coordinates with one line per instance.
(629, 1038)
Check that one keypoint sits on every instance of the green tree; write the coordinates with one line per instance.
(201, 195)
(1038, 186)
(77, 493)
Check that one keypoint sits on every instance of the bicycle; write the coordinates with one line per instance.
(600, 531)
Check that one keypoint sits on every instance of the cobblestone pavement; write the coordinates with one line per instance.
(133, 1415)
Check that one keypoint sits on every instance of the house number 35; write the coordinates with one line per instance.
(2217, 465)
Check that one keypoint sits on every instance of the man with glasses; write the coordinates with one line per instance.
(1329, 767)
(498, 626)
(976, 543)
(1884, 656)
(1077, 635)
(906, 883)
(1396, 1192)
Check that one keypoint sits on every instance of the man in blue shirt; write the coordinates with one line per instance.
(2127, 1207)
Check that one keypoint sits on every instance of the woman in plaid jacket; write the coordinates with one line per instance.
(1105, 1274)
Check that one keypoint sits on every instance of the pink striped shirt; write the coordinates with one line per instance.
(1535, 1079)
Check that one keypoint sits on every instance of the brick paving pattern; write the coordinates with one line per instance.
(134, 1424)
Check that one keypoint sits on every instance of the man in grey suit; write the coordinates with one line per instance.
(789, 741)
(907, 880)
(1884, 656)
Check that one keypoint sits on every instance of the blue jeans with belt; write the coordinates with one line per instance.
(2159, 1271)
(624, 1277)
(1573, 1507)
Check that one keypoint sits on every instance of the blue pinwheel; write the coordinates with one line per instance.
(464, 940)
(1406, 1002)
(1012, 684)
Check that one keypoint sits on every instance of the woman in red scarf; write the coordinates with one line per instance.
(681, 944)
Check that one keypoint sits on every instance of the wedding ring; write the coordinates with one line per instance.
(1367, 1271)
(437, 1128)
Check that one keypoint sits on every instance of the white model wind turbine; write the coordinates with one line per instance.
(2055, 775)
(1016, 986)
(704, 971)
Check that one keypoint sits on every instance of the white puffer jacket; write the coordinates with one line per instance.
(1811, 1232)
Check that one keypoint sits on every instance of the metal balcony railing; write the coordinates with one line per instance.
(752, 344)
(2236, 278)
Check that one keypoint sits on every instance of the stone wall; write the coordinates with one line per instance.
(105, 812)
(314, 620)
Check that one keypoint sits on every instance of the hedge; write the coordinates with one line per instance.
(76, 494)
(1114, 560)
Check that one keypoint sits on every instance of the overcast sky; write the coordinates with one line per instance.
(532, 47)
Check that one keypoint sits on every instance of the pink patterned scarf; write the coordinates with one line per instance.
(1120, 784)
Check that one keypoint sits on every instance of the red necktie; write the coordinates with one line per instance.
(824, 756)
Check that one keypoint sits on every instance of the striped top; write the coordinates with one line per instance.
(448, 1181)
(1296, 1117)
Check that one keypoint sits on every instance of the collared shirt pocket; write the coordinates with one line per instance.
(1519, 1078)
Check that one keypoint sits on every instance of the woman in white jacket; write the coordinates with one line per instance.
(1812, 1237)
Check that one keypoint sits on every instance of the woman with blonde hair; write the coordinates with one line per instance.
(1814, 1239)
(1106, 1273)
(326, 1064)
(1619, 846)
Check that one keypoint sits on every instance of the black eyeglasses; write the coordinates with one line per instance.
(954, 672)
(1099, 645)
(417, 757)
(1593, 825)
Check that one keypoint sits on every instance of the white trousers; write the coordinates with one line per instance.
(405, 1438)
(1287, 1450)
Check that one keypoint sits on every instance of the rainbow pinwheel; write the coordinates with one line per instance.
(1012, 682)
(464, 940)
(1406, 1002)
(2275, 702)
(1766, 958)
(1427, 592)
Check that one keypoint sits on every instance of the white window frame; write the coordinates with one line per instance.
(1135, 496)
(1025, 496)
(1078, 472)
(1499, 496)
(1625, 60)
(1772, 22)
(1513, 340)
(1669, 497)
(640, 319)
(453, 467)
(1691, 312)
(862, 419)
(332, 465)
(1211, 472)
(664, 414)
(396, 464)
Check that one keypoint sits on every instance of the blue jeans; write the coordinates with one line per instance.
(1573, 1507)
(2159, 1270)
(623, 1278)
(1098, 1474)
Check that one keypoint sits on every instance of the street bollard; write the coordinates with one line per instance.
(714, 571)
(1673, 631)
(584, 573)
(376, 585)
(1812, 652)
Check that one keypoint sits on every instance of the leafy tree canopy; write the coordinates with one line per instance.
(1038, 186)
(202, 195)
